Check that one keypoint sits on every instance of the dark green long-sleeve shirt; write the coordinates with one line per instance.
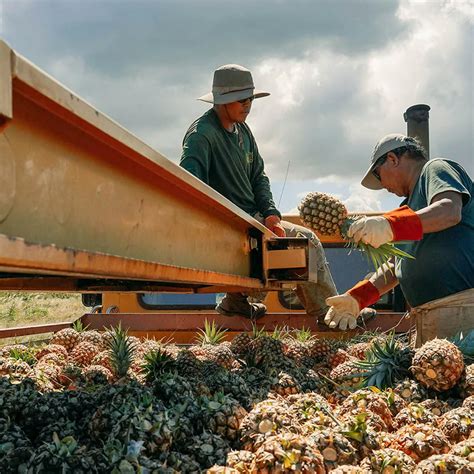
(229, 162)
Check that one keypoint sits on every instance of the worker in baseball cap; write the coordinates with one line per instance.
(435, 224)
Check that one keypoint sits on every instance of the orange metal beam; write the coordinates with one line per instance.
(82, 197)
(180, 324)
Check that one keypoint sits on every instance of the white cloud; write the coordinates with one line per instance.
(335, 90)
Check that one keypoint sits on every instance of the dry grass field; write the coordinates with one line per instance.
(27, 309)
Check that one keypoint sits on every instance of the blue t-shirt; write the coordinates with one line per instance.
(444, 260)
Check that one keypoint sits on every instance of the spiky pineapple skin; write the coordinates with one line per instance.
(419, 441)
(378, 461)
(322, 212)
(438, 365)
(443, 463)
(466, 384)
(67, 337)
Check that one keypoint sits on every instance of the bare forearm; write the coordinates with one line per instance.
(442, 213)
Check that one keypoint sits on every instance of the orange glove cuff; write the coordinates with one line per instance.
(405, 224)
(365, 293)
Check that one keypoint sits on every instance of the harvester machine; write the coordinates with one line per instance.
(86, 206)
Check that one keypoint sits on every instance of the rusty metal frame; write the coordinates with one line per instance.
(85, 199)
(181, 326)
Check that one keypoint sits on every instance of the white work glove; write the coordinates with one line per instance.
(374, 231)
(343, 312)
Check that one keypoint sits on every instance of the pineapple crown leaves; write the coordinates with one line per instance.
(279, 332)
(257, 332)
(303, 335)
(78, 326)
(386, 363)
(122, 350)
(25, 356)
(211, 334)
(157, 362)
(357, 427)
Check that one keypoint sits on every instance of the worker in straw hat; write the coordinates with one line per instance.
(220, 150)
(435, 225)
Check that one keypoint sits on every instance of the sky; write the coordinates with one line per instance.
(341, 73)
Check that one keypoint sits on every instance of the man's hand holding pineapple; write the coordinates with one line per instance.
(434, 231)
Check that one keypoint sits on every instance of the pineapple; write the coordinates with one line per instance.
(240, 345)
(319, 348)
(288, 452)
(388, 460)
(187, 364)
(242, 461)
(267, 418)
(444, 463)
(348, 469)
(362, 436)
(334, 447)
(53, 359)
(267, 351)
(15, 369)
(58, 349)
(323, 213)
(311, 411)
(91, 336)
(347, 374)
(68, 337)
(208, 449)
(359, 350)
(457, 424)
(297, 346)
(47, 376)
(466, 384)
(437, 407)
(465, 449)
(97, 374)
(285, 385)
(368, 400)
(469, 403)
(83, 353)
(414, 413)
(419, 441)
(337, 358)
(411, 391)
(327, 215)
(5, 351)
(438, 365)
(70, 375)
(103, 359)
(223, 415)
(156, 363)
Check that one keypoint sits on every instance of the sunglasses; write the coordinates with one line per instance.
(243, 101)
(377, 165)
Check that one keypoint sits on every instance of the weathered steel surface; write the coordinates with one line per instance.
(180, 325)
(30, 330)
(23, 257)
(74, 181)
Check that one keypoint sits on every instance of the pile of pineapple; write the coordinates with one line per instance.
(263, 402)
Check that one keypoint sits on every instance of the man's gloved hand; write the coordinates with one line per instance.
(374, 231)
(343, 312)
(273, 223)
(400, 224)
(344, 309)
